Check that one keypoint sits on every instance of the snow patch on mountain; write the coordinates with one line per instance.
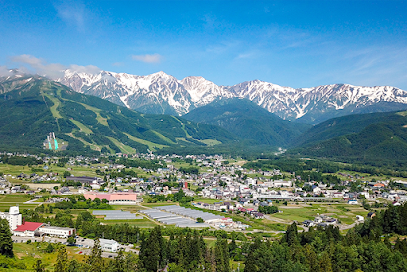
(163, 93)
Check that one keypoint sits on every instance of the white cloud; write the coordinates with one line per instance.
(39, 66)
(88, 69)
(154, 58)
(73, 13)
(247, 55)
(4, 71)
(367, 66)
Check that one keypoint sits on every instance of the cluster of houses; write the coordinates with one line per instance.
(321, 221)
(233, 206)
(216, 180)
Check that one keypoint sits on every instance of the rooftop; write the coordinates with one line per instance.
(31, 226)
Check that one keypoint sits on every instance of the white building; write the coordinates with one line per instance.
(109, 245)
(282, 183)
(13, 217)
(57, 231)
(28, 229)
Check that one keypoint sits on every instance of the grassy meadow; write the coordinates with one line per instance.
(26, 255)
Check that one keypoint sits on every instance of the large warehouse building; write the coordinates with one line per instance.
(114, 198)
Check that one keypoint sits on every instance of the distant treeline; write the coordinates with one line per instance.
(20, 160)
(297, 165)
(148, 164)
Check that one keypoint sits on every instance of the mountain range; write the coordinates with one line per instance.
(160, 93)
(32, 106)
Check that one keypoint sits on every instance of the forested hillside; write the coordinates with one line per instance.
(32, 107)
(248, 121)
(340, 126)
(380, 136)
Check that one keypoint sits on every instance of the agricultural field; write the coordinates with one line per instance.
(141, 223)
(15, 170)
(208, 200)
(15, 198)
(6, 201)
(346, 213)
(5, 207)
(157, 204)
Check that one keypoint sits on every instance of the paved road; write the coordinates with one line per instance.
(33, 201)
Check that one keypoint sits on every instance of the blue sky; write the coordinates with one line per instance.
(289, 43)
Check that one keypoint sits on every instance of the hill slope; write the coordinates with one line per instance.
(344, 125)
(247, 120)
(34, 106)
(379, 136)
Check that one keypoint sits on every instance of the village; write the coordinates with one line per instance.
(207, 198)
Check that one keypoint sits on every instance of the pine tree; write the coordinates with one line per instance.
(291, 235)
(153, 251)
(325, 264)
(130, 262)
(74, 266)
(222, 256)
(38, 266)
(311, 259)
(94, 261)
(6, 243)
(118, 262)
(62, 261)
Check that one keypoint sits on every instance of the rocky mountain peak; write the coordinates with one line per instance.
(163, 93)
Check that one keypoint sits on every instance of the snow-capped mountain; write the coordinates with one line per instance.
(162, 93)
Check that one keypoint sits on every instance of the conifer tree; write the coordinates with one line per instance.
(118, 264)
(130, 262)
(94, 261)
(38, 266)
(74, 266)
(6, 243)
(62, 261)
(152, 251)
(291, 235)
(325, 263)
(222, 256)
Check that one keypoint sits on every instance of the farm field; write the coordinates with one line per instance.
(208, 200)
(157, 204)
(6, 201)
(5, 207)
(141, 223)
(15, 170)
(15, 198)
(346, 213)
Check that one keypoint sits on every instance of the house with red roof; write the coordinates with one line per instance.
(27, 229)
